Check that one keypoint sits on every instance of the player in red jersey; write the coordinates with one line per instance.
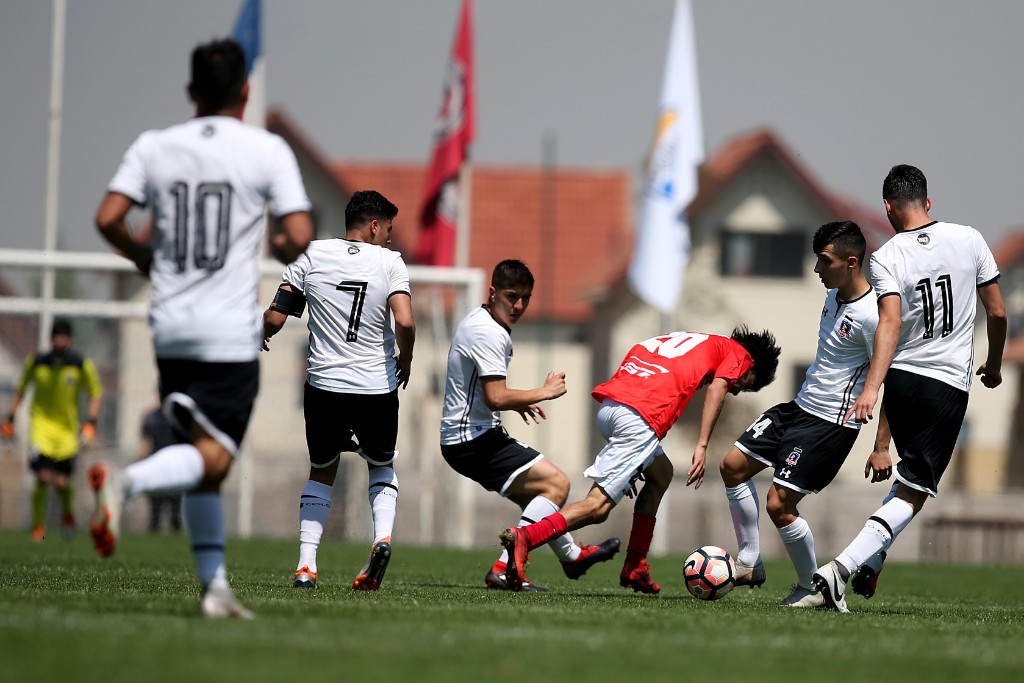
(639, 404)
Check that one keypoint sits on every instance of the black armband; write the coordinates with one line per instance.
(288, 301)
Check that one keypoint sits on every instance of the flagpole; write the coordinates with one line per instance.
(462, 219)
(53, 168)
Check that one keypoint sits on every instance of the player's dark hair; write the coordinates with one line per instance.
(905, 185)
(511, 274)
(61, 326)
(218, 74)
(761, 347)
(366, 206)
(845, 237)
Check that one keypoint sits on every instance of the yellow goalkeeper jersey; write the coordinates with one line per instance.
(57, 381)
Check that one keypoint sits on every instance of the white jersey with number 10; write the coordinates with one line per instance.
(209, 182)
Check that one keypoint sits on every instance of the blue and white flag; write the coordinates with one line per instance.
(662, 248)
(249, 34)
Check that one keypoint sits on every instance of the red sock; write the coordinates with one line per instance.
(547, 529)
(639, 539)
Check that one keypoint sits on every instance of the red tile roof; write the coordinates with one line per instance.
(1010, 251)
(586, 224)
(725, 164)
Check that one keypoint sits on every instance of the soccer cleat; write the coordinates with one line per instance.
(105, 521)
(514, 541)
(865, 581)
(38, 534)
(589, 556)
(832, 587)
(803, 597)
(220, 603)
(639, 579)
(750, 576)
(70, 528)
(498, 581)
(304, 578)
(373, 573)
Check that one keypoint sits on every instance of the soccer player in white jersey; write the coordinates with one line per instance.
(926, 279)
(208, 183)
(807, 440)
(353, 287)
(474, 443)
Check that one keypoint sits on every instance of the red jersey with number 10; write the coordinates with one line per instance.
(658, 377)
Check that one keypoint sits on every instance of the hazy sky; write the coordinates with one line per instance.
(850, 87)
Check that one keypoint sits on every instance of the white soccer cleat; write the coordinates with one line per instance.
(105, 523)
(832, 587)
(750, 576)
(803, 597)
(220, 603)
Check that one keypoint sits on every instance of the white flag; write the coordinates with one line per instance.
(662, 247)
(248, 33)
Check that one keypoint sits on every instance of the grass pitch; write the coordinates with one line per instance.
(66, 615)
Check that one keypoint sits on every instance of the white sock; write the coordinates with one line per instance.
(206, 530)
(314, 509)
(878, 559)
(878, 533)
(383, 495)
(744, 508)
(174, 469)
(564, 547)
(799, 542)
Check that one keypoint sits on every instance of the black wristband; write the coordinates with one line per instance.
(91, 421)
(10, 417)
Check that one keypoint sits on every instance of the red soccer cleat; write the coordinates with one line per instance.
(639, 579)
(514, 541)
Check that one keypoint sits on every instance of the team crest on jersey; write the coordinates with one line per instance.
(353, 249)
(923, 238)
(846, 328)
(794, 457)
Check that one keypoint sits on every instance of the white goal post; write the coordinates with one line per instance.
(465, 288)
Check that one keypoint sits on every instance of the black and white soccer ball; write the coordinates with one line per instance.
(709, 573)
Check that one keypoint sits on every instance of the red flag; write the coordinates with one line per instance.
(453, 132)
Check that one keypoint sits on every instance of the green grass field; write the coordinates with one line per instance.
(66, 615)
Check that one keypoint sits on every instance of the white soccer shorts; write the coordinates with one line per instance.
(632, 447)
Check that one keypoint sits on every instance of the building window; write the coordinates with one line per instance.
(763, 254)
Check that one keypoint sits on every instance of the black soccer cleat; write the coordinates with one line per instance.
(372, 575)
(591, 555)
(864, 581)
(498, 581)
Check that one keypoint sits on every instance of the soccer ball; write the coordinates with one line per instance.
(709, 573)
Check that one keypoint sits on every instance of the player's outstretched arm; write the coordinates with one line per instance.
(498, 396)
(714, 399)
(887, 334)
(110, 221)
(879, 464)
(995, 310)
(405, 334)
(294, 238)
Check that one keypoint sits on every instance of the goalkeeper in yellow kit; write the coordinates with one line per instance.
(58, 376)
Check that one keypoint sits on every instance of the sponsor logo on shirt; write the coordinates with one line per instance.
(923, 238)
